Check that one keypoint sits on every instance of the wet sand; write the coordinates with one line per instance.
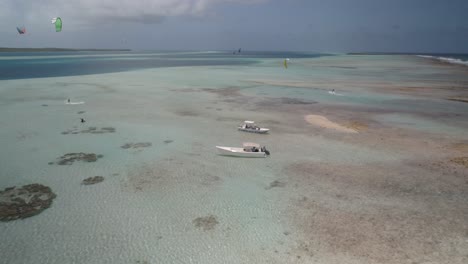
(322, 121)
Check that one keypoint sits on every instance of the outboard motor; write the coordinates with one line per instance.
(266, 151)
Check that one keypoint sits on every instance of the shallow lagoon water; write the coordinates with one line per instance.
(145, 208)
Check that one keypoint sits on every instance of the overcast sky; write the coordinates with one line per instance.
(301, 25)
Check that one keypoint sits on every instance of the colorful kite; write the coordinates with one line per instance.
(21, 30)
(58, 23)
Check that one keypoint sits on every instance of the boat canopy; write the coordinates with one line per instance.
(249, 122)
(250, 145)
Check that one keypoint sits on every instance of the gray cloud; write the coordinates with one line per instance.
(83, 11)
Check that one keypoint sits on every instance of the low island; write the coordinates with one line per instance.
(54, 49)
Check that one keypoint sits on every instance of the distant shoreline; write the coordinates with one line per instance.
(54, 49)
(405, 53)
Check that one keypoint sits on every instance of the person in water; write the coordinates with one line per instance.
(68, 100)
(82, 120)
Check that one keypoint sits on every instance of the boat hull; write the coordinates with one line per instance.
(239, 152)
(259, 131)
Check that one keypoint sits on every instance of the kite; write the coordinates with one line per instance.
(21, 30)
(58, 23)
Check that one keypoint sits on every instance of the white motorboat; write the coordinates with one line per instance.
(249, 150)
(249, 126)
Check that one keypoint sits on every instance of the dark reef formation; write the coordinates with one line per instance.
(206, 223)
(462, 161)
(136, 145)
(90, 130)
(92, 180)
(69, 158)
(29, 200)
(275, 184)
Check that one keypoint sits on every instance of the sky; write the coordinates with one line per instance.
(283, 25)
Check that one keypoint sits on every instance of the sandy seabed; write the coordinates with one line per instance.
(377, 175)
(322, 121)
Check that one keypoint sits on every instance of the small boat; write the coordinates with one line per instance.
(249, 150)
(249, 126)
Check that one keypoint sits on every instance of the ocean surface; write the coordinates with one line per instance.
(19, 65)
(168, 111)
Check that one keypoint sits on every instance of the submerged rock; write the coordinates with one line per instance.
(357, 126)
(69, 158)
(110, 129)
(276, 184)
(206, 223)
(29, 200)
(462, 161)
(92, 180)
(90, 130)
(137, 145)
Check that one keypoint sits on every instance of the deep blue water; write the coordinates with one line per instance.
(47, 64)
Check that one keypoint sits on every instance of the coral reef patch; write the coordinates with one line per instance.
(276, 184)
(69, 158)
(90, 130)
(26, 201)
(136, 145)
(92, 180)
(463, 161)
(206, 223)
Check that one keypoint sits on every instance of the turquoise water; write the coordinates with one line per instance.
(144, 210)
(21, 65)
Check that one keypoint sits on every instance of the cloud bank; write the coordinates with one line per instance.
(83, 11)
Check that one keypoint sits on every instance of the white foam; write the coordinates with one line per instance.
(446, 59)
(335, 93)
